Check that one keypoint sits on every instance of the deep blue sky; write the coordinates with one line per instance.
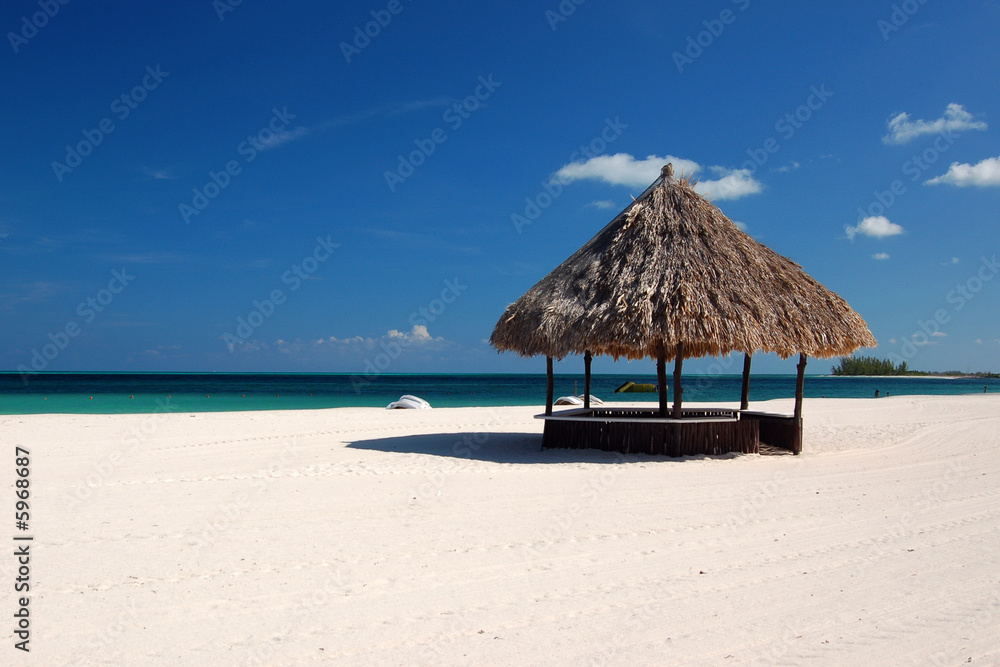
(325, 131)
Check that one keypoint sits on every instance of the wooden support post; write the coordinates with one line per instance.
(587, 358)
(745, 393)
(678, 391)
(799, 384)
(548, 385)
(661, 380)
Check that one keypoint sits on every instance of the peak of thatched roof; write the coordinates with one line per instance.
(672, 268)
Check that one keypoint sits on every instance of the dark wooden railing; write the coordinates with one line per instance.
(781, 431)
(699, 431)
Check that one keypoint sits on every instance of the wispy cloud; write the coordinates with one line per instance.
(146, 258)
(624, 169)
(417, 338)
(877, 226)
(602, 204)
(388, 110)
(159, 174)
(880, 255)
(955, 119)
(419, 105)
(985, 173)
(791, 166)
(279, 139)
(418, 335)
(29, 293)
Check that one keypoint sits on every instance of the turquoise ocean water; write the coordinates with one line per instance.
(124, 393)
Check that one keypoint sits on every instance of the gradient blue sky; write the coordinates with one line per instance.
(861, 141)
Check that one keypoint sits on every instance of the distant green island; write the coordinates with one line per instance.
(875, 366)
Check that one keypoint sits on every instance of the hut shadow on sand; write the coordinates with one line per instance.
(511, 448)
(671, 278)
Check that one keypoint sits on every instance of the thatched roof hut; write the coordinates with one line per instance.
(671, 277)
(669, 269)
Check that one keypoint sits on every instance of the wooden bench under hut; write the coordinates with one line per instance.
(671, 278)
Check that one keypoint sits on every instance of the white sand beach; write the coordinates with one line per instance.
(446, 536)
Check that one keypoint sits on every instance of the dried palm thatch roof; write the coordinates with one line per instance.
(672, 268)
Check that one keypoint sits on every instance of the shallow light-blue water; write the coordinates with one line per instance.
(114, 393)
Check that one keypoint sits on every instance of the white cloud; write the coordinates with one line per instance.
(602, 204)
(733, 185)
(159, 174)
(880, 255)
(741, 225)
(983, 174)
(892, 341)
(624, 169)
(356, 340)
(356, 347)
(792, 166)
(955, 119)
(279, 139)
(416, 336)
(876, 225)
(979, 341)
(940, 334)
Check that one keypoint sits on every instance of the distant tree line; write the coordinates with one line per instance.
(869, 366)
